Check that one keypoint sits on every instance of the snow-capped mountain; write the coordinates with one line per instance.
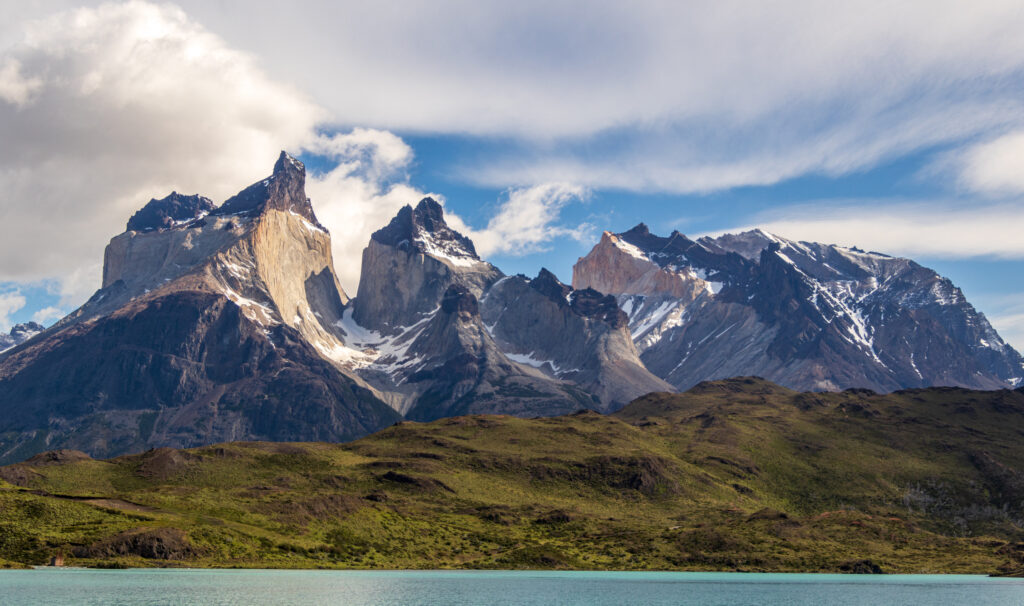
(806, 315)
(19, 334)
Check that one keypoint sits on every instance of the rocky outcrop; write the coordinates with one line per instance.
(222, 327)
(806, 315)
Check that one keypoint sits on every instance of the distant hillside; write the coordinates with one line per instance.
(733, 475)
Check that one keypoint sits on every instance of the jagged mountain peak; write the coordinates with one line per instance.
(423, 229)
(19, 334)
(284, 190)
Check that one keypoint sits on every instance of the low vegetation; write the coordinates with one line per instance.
(733, 475)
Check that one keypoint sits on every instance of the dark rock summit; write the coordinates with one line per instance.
(175, 209)
(424, 230)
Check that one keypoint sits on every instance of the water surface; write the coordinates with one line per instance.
(463, 588)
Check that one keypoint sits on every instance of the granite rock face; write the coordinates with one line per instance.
(222, 326)
(410, 263)
(806, 315)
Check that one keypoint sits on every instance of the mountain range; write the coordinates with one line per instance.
(219, 323)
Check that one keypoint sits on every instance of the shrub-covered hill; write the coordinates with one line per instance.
(733, 475)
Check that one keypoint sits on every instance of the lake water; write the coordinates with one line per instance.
(443, 588)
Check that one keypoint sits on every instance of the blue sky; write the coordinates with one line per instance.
(893, 128)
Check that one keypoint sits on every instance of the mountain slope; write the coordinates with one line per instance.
(806, 315)
(207, 328)
(732, 475)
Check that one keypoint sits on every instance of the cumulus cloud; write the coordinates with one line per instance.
(48, 315)
(368, 185)
(527, 221)
(911, 228)
(103, 108)
(10, 302)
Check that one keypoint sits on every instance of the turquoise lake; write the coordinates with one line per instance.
(457, 588)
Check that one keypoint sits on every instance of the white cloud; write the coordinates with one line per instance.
(125, 102)
(10, 302)
(15, 88)
(48, 315)
(361, 194)
(910, 228)
(995, 166)
(370, 184)
(686, 96)
(527, 221)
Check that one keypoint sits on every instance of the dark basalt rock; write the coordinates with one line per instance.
(590, 303)
(458, 299)
(175, 209)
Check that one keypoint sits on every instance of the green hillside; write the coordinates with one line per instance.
(733, 475)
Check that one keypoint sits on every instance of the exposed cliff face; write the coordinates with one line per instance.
(226, 320)
(574, 335)
(806, 315)
(410, 263)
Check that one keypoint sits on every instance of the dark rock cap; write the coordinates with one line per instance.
(165, 213)
(284, 190)
(426, 219)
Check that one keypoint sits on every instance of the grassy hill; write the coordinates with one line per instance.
(733, 475)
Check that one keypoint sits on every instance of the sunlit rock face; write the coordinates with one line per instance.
(807, 315)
